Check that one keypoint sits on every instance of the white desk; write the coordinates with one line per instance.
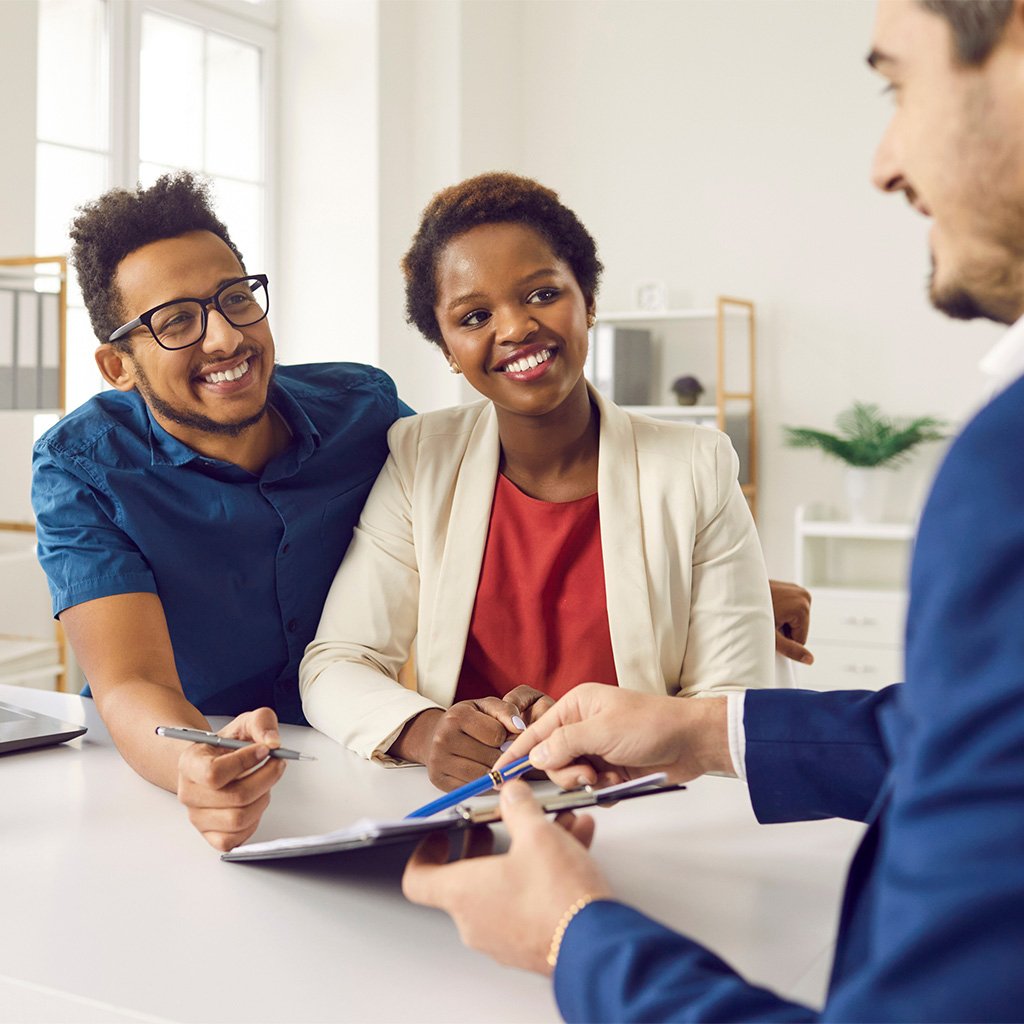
(115, 909)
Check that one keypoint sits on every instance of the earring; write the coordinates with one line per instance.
(591, 319)
(454, 368)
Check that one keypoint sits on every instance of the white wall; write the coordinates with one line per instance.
(721, 147)
(327, 186)
(18, 166)
(725, 147)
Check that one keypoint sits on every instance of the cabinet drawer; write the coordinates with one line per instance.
(848, 667)
(857, 619)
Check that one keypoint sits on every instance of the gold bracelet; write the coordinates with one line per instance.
(556, 939)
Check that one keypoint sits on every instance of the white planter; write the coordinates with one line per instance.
(865, 494)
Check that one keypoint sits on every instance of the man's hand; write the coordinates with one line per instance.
(602, 734)
(792, 607)
(508, 906)
(226, 794)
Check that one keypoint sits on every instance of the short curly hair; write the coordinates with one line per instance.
(123, 220)
(493, 198)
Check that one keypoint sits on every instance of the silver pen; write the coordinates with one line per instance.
(211, 738)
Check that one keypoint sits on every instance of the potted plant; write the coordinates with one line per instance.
(687, 390)
(867, 440)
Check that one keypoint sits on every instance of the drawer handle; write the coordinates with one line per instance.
(857, 670)
(862, 620)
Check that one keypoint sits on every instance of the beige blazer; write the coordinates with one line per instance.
(688, 602)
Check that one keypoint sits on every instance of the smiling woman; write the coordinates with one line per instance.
(540, 538)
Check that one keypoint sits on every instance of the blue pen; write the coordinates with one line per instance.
(492, 780)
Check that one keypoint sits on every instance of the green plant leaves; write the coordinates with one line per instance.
(866, 437)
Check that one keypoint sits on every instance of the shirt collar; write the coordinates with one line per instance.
(1004, 362)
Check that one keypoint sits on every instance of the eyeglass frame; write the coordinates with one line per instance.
(146, 319)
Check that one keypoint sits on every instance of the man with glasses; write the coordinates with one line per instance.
(191, 519)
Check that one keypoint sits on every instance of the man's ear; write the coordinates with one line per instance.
(116, 367)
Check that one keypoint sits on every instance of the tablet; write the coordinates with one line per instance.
(21, 729)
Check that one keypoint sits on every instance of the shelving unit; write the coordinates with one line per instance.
(735, 406)
(856, 573)
(33, 318)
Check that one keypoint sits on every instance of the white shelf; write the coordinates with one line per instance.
(857, 531)
(675, 412)
(645, 315)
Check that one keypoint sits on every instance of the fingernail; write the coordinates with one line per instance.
(582, 781)
(539, 755)
(262, 751)
(518, 723)
(505, 746)
(273, 736)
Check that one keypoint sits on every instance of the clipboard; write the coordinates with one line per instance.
(367, 833)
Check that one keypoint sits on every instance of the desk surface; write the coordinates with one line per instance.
(120, 911)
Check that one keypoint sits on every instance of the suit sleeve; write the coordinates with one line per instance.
(617, 965)
(817, 755)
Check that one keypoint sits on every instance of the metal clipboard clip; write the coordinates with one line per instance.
(571, 799)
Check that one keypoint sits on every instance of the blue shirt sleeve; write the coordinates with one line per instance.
(82, 549)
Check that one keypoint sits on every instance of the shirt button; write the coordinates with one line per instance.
(285, 549)
(293, 625)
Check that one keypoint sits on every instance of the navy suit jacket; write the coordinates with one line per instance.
(932, 923)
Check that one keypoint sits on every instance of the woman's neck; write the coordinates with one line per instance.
(552, 457)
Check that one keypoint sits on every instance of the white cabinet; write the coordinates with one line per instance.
(856, 573)
(716, 344)
(30, 646)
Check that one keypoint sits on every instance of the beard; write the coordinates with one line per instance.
(195, 420)
(991, 294)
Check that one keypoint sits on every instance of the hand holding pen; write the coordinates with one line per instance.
(212, 739)
(227, 791)
(461, 743)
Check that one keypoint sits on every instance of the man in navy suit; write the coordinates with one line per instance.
(932, 924)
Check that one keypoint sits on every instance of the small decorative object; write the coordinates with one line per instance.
(867, 440)
(651, 296)
(687, 390)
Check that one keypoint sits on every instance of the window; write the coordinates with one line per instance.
(129, 91)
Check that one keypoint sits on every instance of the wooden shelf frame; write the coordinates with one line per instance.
(727, 309)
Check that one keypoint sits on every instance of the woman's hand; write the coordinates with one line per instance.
(531, 703)
(467, 740)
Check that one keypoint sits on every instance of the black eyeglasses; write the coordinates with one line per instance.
(182, 322)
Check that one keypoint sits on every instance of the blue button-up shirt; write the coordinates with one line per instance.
(241, 562)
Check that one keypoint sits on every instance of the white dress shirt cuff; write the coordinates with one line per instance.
(737, 734)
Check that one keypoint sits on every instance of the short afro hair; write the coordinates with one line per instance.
(494, 198)
(123, 220)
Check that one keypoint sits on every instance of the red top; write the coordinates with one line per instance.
(540, 616)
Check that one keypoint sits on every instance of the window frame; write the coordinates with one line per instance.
(250, 23)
